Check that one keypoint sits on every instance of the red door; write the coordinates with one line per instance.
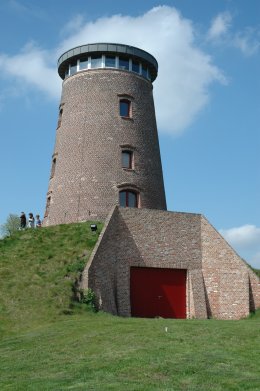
(158, 292)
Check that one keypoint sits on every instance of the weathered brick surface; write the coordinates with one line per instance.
(89, 174)
(217, 278)
(230, 284)
(151, 238)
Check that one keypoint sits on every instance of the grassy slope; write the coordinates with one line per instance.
(47, 344)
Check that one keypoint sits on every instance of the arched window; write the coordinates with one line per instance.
(128, 198)
(125, 108)
(127, 159)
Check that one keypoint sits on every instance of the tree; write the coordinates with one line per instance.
(11, 225)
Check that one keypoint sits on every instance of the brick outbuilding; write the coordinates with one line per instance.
(218, 283)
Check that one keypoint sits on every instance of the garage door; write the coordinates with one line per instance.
(158, 292)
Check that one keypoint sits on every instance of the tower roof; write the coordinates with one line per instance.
(124, 51)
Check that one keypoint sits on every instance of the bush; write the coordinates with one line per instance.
(11, 225)
(88, 297)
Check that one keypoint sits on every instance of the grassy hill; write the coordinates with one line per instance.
(50, 342)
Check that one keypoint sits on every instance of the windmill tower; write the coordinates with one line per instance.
(107, 150)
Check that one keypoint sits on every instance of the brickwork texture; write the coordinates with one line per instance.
(219, 283)
(90, 138)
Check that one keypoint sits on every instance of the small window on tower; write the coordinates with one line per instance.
(96, 61)
(53, 167)
(128, 199)
(110, 61)
(73, 68)
(124, 63)
(60, 117)
(47, 207)
(125, 108)
(135, 66)
(127, 159)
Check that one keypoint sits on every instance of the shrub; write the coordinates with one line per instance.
(88, 297)
(11, 225)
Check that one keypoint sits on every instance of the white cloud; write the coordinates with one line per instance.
(245, 235)
(185, 72)
(220, 25)
(33, 66)
(247, 41)
(246, 240)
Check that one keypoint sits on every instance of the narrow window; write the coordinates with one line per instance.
(53, 166)
(125, 108)
(73, 68)
(144, 70)
(47, 207)
(60, 117)
(127, 159)
(135, 66)
(123, 63)
(128, 198)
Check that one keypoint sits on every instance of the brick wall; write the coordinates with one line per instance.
(226, 277)
(89, 141)
(217, 279)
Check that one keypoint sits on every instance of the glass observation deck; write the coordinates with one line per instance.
(110, 56)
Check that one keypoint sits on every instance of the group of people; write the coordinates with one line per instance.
(31, 222)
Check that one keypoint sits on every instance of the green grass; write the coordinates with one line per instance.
(49, 342)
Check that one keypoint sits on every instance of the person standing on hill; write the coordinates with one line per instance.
(31, 221)
(23, 220)
(38, 221)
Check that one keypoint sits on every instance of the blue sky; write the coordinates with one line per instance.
(207, 98)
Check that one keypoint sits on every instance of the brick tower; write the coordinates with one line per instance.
(107, 150)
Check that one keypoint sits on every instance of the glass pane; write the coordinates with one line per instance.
(83, 64)
(124, 108)
(124, 64)
(122, 198)
(96, 61)
(73, 69)
(148, 74)
(66, 72)
(132, 201)
(110, 61)
(135, 66)
(126, 159)
(144, 70)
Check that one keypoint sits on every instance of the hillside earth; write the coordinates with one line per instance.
(49, 341)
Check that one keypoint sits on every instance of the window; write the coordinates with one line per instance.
(144, 71)
(96, 61)
(60, 117)
(73, 68)
(125, 107)
(110, 61)
(53, 166)
(47, 207)
(83, 64)
(127, 159)
(124, 63)
(128, 198)
(135, 66)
